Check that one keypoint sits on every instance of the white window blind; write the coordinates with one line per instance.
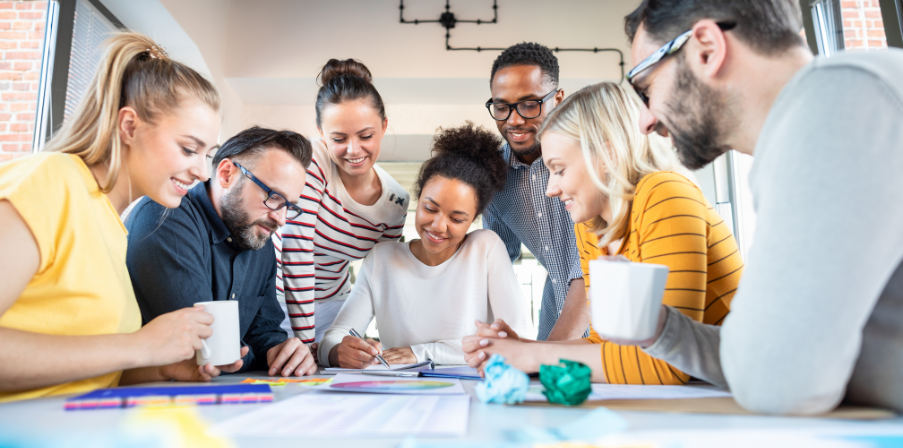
(90, 29)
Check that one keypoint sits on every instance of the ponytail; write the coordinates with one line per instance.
(133, 72)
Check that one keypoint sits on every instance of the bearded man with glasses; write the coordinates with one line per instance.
(524, 87)
(816, 318)
(209, 248)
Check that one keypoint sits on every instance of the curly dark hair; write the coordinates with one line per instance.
(469, 154)
(528, 53)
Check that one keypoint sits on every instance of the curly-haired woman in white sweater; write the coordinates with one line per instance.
(426, 294)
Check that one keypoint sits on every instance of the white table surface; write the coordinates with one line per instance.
(488, 423)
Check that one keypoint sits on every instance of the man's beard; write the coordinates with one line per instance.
(237, 221)
(699, 116)
(522, 152)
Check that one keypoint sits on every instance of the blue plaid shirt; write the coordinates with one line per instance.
(522, 213)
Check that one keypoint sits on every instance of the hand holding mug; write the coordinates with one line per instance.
(174, 337)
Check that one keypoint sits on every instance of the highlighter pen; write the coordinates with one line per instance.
(378, 356)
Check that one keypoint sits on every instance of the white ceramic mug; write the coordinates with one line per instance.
(626, 298)
(223, 347)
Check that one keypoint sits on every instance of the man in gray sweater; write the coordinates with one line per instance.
(818, 317)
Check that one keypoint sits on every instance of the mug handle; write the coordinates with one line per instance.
(206, 353)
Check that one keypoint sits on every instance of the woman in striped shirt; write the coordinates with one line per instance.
(616, 182)
(349, 203)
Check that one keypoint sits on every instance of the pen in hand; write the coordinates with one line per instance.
(378, 356)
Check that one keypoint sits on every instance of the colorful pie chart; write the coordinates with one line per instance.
(391, 386)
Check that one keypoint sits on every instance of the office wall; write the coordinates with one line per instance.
(21, 42)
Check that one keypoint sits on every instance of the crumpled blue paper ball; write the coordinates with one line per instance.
(503, 384)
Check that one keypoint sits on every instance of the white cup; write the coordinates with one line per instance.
(223, 347)
(626, 298)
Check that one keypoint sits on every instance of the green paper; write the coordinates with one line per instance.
(568, 383)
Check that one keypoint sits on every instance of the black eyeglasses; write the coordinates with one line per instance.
(274, 200)
(666, 50)
(527, 109)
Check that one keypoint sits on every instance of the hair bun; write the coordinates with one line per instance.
(349, 67)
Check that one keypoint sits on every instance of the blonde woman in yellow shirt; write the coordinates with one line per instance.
(69, 321)
(628, 194)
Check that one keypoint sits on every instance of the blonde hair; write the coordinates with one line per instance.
(604, 118)
(135, 72)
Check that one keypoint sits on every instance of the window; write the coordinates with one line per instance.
(75, 31)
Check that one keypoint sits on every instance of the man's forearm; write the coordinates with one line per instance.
(574, 318)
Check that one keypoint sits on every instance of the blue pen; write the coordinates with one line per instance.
(378, 356)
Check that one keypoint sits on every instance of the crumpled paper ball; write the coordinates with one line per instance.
(503, 384)
(568, 383)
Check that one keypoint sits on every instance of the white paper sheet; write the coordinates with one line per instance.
(638, 392)
(315, 415)
(370, 368)
(349, 382)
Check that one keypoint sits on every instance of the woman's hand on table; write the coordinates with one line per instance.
(499, 329)
(518, 354)
(356, 353)
(400, 355)
(189, 370)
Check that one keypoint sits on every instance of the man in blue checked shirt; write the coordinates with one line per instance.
(524, 86)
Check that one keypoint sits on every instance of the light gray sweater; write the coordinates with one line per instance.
(818, 317)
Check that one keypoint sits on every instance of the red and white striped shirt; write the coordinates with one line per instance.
(313, 253)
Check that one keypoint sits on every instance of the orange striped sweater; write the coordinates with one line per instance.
(671, 223)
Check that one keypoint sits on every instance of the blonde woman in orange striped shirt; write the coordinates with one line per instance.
(631, 197)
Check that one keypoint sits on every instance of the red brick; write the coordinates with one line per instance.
(32, 76)
(29, 117)
(39, 26)
(6, 157)
(6, 5)
(10, 76)
(12, 35)
(873, 14)
(4, 106)
(19, 96)
(876, 34)
(5, 25)
(23, 25)
(21, 86)
(36, 36)
(29, 44)
(848, 4)
(7, 45)
(11, 147)
(15, 137)
(877, 24)
(850, 14)
(18, 127)
(6, 65)
(22, 55)
(18, 107)
(40, 5)
(7, 15)
(31, 15)
(21, 66)
(23, 5)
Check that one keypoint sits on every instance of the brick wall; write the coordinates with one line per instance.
(21, 39)
(863, 28)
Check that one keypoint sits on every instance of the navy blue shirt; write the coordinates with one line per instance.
(186, 255)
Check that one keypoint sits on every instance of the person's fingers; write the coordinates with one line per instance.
(279, 362)
(200, 316)
(477, 359)
(307, 367)
(471, 344)
(378, 346)
(244, 351)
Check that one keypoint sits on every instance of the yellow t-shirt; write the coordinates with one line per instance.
(671, 223)
(82, 286)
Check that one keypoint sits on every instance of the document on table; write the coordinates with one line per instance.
(346, 382)
(370, 368)
(354, 415)
(638, 392)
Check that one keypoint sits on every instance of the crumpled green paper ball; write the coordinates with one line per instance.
(567, 383)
